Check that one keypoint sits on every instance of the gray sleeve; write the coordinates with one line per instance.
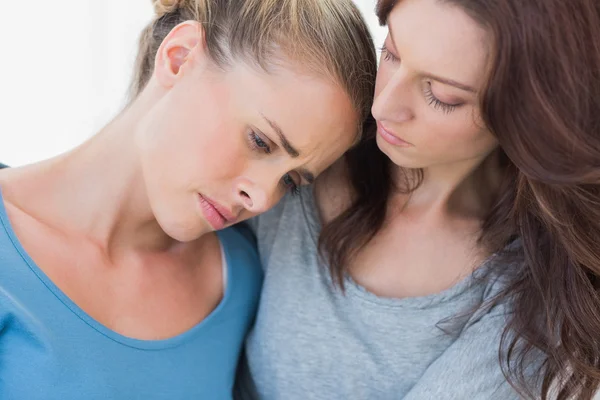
(470, 367)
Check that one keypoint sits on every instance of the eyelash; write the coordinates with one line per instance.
(387, 55)
(431, 99)
(436, 103)
(260, 145)
(291, 185)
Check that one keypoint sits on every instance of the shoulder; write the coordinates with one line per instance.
(501, 270)
(332, 191)
(4, 172)
(495, 278)
(294, 220)
(239, 243)
(244, 234)
(242, 260)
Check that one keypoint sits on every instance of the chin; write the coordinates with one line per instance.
(179, 227)
(398, 156)
(184, 234)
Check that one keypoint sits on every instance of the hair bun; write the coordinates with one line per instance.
(162, 7)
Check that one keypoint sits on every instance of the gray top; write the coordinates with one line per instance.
(311, 341)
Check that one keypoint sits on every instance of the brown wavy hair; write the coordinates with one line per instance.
(542, 102)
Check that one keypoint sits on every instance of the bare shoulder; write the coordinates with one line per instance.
(5, 172)
(9, 183)
(14, 182)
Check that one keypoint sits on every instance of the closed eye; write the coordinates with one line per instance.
(388, 55)
(437, 103)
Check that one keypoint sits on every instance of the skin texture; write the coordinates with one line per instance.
(434, 230)
(440, 120)
(123, 211)
(238, 160)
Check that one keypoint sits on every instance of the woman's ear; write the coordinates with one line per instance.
(181, 48)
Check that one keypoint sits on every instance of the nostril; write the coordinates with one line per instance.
(246, 198)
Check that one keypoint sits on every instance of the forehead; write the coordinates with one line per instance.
(441, 39)
(314, 112)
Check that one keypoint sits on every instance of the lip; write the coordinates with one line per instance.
(217, 215)
(391, 137)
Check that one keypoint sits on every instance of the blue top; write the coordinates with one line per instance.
(51, 349)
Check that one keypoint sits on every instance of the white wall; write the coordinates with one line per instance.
(64, 70)
(368, 9)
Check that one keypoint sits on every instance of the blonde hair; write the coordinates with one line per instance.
(326, 36)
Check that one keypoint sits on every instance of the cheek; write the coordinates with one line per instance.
(384, 73)
(461, 137)
(221, 154)
(192, 124)
(191, 152)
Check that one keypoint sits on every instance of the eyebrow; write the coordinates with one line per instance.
(445, 81)
(291, 150)
(450, 82)
(287, 146)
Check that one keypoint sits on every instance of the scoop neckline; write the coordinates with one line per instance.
(357, 291)
(141, 344)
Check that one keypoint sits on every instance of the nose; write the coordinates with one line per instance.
(393, 99)
(257, 197)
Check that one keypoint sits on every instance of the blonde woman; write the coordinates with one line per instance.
(113, 282)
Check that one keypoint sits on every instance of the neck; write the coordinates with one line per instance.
(95, 191)
(462, 189)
